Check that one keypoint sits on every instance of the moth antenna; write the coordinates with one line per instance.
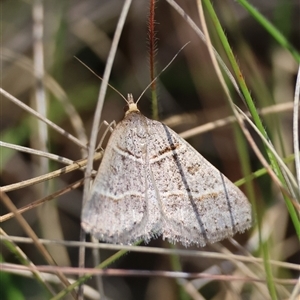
(161, 72)
(101, 79)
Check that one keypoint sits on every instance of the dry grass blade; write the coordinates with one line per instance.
(34, 238)
(36, 203)
(77, 165)
(42, 118)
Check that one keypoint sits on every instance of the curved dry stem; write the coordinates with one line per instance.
(77, 165)
(53, 86)
(54, 157)
(42, 118)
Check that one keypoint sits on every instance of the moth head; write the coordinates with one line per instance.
(132, 107)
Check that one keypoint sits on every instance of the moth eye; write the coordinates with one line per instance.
(125, 108)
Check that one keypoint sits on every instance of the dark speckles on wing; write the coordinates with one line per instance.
(126, 151)
(193, 169)
(171, 147)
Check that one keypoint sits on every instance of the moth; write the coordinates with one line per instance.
(151, 182)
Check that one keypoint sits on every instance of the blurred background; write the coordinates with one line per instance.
(189, 95)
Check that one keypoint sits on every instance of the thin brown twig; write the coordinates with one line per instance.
(159, 251)
(8, 203)
(38, 202)
(27, 261)
(52, 85)
(144, 273)
(77, 165)
(42, 118)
